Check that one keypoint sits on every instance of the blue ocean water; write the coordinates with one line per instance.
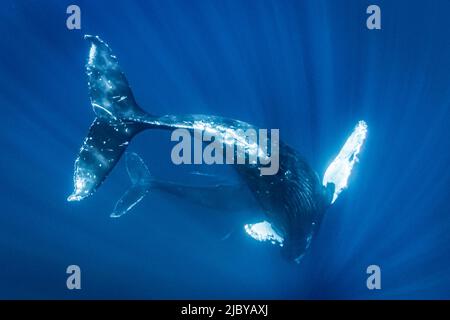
(310, 68)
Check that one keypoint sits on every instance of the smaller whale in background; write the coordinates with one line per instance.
(214, 194)
(293, 201)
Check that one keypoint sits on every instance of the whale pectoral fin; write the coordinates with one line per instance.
(338, 172)
(208, 178)
(263, 231)
(130, 198)
(329, 192)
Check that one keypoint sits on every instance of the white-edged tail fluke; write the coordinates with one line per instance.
(114, 125)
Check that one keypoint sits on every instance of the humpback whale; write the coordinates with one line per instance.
(293, 201)
(215, 195)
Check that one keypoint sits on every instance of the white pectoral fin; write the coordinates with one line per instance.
(340, 169)
(130, 198)
(263, 231)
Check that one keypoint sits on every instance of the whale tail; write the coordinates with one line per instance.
(116, 122)
(141, 180)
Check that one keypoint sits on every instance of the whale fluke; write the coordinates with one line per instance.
(137, 170)
(141, 182)
(115, 125)
(130, 198)
(109, 91)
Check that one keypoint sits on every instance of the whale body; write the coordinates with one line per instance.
(293, 201)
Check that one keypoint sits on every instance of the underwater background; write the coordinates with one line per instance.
(310, 68)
